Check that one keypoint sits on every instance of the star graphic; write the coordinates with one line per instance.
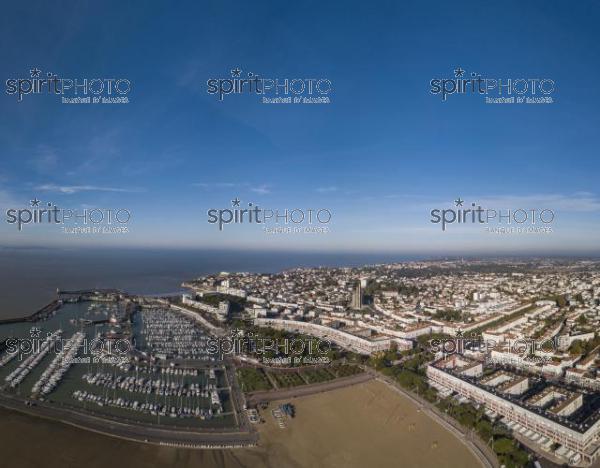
(236, 72)
(35, 202)
(235, 202)
(458, 72)
(459, 333)
(459, 202)
(35, 72)
(35, 332)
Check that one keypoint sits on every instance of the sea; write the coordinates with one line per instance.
(29, 277)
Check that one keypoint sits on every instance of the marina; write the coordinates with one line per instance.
(26, 366)
(166, 334)
(116, 357)
(148, 408)
(51, 377)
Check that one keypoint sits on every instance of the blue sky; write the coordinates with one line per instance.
(380, 156)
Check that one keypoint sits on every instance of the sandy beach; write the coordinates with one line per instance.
(364, 425)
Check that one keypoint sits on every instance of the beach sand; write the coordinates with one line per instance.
(361, 426)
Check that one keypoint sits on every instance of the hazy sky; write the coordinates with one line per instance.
(380, 156)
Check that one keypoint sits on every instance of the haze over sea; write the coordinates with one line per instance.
(29, 276)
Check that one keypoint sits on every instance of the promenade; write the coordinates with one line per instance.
(304, 390)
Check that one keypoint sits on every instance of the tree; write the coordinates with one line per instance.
(503, 446)
(582, 320)
(576, 347)
(484, 429)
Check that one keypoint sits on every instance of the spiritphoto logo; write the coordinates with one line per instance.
(498, 221)
(272, 90)
(72, 90)
(37, 343)
(524, 348)
(251, 344)
(274, 221)
(71, 221)
(496, 90)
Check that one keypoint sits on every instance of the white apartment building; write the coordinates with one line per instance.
(585, 443)
(351, 342)
(220, 312)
